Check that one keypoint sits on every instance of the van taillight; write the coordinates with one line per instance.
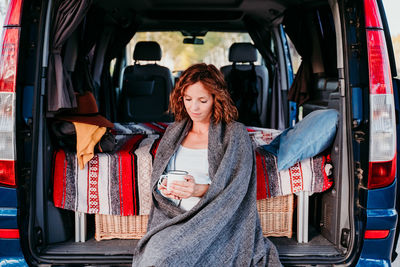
(9, 233)
(376, 234)
(382, 141)
(8, 74)
(372, 16)
(13, 16)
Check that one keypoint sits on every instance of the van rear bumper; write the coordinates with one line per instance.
(377, 252)
(10, 248)
(13, 261)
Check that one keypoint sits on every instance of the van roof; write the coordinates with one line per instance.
(208, 15)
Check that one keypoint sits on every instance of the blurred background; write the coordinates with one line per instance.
(392, 8)
(3, 10)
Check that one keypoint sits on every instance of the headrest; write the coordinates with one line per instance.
(242, 52)
(147, 51)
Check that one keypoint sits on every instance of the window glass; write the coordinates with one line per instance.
(178, 56)
(294, 56)
(112, 65)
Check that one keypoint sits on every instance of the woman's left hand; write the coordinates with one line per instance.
(183, 189)
(188, 188)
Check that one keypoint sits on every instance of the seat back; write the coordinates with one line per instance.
(246, 54)
(146, 88)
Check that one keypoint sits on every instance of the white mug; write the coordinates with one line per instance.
(173, 175)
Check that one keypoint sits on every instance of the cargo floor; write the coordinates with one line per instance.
(318, 246)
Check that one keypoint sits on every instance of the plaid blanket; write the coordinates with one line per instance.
(118, 183)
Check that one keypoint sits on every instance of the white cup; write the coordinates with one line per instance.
(173, 175)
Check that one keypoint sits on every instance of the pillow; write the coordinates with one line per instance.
(307, 138)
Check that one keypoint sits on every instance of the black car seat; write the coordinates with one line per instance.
(146, 88)
(248, 84)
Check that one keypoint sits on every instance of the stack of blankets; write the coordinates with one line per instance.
(118, 183)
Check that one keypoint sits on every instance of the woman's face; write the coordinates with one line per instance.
(198, 102)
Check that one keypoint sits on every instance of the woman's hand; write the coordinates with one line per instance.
(188, 188)
(163, 189)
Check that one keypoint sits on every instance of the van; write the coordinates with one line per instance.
(311, 55)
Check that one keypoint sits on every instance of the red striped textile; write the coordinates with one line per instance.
(59, 179)
(93, 185)
(115, 183)
(109, 183)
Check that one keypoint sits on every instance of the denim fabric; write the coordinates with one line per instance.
(307, 138)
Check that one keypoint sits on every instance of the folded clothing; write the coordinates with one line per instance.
(66, 137)
(306, 139)
(87, 136)
(118, 183)
(312, 175)
(110, 183)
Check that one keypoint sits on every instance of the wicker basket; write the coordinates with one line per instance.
(122, 227)
(276, 215)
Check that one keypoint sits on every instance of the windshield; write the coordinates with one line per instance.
(178, 56)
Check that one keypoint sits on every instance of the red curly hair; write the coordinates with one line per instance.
(214, 82)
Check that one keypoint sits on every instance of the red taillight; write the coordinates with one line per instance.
(380, 80)
(376, 234)
(7, 172)
(8, 73)
(9, 59)
(13, 17)
(9, 233)
(383, 173)
(372, 17)
(382, 141)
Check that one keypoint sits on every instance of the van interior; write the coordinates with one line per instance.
(129, 54)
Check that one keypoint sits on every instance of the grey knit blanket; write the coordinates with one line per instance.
(223, 229)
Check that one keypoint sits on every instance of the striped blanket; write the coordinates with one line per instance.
(312, 174)
(118, 183)
(110, 183)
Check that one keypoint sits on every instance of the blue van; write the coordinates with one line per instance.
(306, 55)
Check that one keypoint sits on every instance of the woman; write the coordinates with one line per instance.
(211, 218)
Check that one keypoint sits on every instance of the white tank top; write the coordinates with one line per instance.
(195, 162)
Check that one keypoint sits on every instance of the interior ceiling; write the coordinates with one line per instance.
(208, 15)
